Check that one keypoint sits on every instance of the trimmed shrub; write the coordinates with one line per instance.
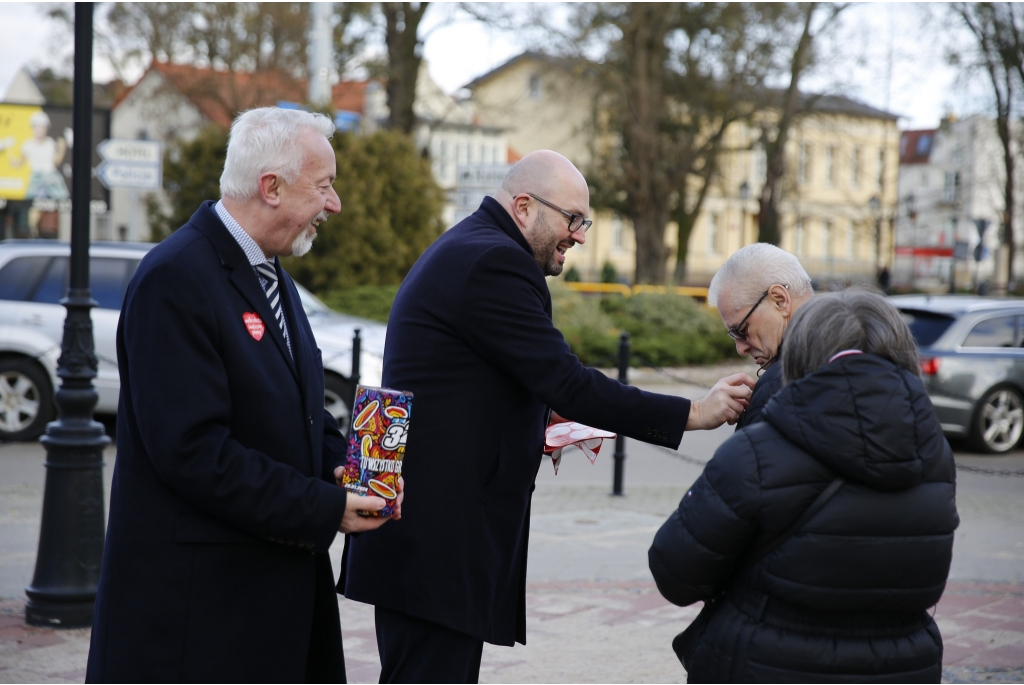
(368, 301)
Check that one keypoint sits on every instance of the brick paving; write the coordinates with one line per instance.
(584, 631)
(593, 613)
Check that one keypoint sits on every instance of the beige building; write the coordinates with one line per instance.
(840, 156)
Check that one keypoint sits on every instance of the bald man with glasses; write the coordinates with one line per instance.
(470, 335)
(757, 292)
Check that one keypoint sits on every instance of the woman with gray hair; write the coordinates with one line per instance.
(819, 538)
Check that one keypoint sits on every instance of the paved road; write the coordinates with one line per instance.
(593, 612)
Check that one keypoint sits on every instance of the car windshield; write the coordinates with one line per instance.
(926, 327)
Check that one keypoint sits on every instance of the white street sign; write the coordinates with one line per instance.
(487, 176)
(122, 175)
(127, 150)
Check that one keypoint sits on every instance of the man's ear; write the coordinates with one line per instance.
(520, 208)
(270, 189)
(780, 298)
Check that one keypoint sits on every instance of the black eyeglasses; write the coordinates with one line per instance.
(576, 222)
(736, 332)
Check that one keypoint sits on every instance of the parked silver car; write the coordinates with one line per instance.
(972, 362)
(34, 278)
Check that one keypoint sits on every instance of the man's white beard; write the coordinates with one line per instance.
(302, 244)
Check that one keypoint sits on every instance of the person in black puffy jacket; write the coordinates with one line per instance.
(846, 597)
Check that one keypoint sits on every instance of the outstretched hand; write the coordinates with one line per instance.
(353, 521)
(724, 403)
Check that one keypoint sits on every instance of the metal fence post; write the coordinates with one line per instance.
(620, 441)
(357, 354)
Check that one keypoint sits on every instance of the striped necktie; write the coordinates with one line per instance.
(268, 276)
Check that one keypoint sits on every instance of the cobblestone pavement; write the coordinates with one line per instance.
(593, 613)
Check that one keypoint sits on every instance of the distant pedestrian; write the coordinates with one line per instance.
(224, 500)
(820, 537)
(471, 336)
(757, 292)
(884, 278)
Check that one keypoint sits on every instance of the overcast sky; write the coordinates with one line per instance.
(891, 56)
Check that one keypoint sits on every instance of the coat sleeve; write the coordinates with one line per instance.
(169, 333)
(504, 319)
(335, 446)
(695, 552)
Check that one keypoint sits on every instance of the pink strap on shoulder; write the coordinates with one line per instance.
(844, 353)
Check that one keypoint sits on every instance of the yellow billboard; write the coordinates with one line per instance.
(30, 157)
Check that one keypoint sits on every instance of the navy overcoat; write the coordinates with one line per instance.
(470, 334)
(223, 502)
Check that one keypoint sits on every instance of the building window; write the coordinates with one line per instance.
(881, 168)
(924, 146)
(798, 238)
(830, 247)
(924, 178)
(803, 168)
(951, 232)
(951, 186)
(617, 233)
(851, 239)
(714, 233)
(855, 167)
(535, 87)
(830, 165)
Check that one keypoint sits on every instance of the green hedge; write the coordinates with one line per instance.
(665, 330)
(368, 301)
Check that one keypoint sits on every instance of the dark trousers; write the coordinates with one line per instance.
(416, 651)
(325, 662)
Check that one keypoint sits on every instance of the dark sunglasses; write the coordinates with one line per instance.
(736, 332)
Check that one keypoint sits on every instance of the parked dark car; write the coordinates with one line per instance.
(972, 362)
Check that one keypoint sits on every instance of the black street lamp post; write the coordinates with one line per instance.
(63, 588)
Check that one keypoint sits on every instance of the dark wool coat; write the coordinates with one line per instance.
(767, 385)
(470, 335)
(223, 503)
(846, 598)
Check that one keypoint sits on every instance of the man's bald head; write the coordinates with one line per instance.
(539, 192)
(543, 173)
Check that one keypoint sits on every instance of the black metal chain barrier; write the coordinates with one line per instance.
(962, 467)
(989, 472)
(679, 455)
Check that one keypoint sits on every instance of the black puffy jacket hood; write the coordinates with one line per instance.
(864, 418)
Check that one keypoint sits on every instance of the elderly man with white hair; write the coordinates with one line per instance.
(757, 292)
(224, 501)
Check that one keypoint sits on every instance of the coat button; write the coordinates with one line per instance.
(308, 416)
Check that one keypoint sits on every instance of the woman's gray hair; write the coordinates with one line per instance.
(753, 269)
(263, 141)
(855, 319)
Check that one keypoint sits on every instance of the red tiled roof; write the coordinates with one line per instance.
(916, 146)
(220, 95)
(349, 96)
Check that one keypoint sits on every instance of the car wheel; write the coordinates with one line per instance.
(26, 400)
(338, 399)
(998, 420)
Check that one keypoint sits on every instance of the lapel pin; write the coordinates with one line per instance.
(254, 324)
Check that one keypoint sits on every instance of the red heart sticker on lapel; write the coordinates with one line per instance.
(254, 324)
